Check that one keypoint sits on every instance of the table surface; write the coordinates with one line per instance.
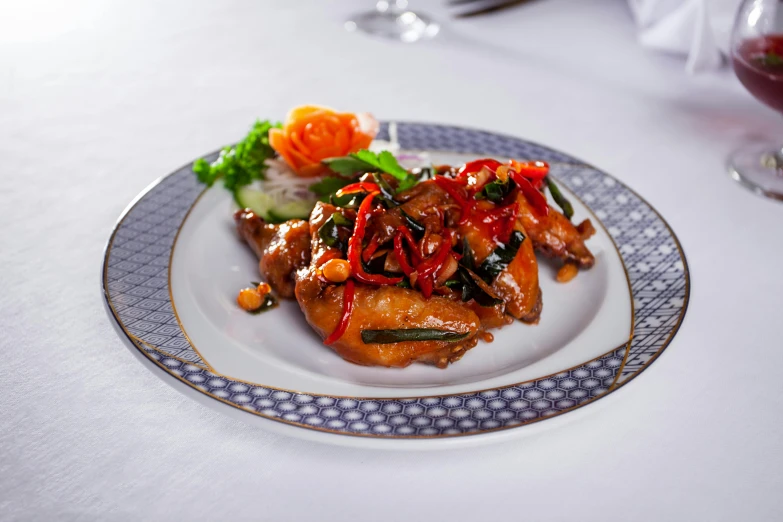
(99, 98)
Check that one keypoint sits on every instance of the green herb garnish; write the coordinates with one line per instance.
(368, 161)
(468, 282)
(330, 234)
(328, 186)
(560, 199)
(411, 334)
(416, 228)
(468, 259)
(387, 192)
(472, 289)
(494, 191)
(351, 201)
(500, 258)
(241, 164)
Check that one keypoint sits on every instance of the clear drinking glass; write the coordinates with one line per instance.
(757, 55)
(393, 19)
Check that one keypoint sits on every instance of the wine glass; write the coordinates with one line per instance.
(393, 19)
(757, 55)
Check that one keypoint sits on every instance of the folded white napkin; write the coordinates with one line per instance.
(697, 29)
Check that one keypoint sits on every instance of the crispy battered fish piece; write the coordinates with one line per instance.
(379, 308)
(281, 249)
(555, 236)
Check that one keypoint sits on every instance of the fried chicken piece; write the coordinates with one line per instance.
(379, 308)
(518, 284)
(555, 236)
(281, 249)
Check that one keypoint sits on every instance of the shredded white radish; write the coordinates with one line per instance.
(283, 185)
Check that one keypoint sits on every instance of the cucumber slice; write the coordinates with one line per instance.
(263, 205)
(256, 200)
(291, 210)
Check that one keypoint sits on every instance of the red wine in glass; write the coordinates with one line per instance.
(757, 55)
(758, 63)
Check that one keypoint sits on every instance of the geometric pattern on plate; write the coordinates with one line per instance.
(136, 287)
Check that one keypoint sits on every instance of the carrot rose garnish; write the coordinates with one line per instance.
(313, 133)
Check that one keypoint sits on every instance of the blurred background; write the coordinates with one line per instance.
(98, 99)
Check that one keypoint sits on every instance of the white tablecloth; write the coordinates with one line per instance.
(99, 98)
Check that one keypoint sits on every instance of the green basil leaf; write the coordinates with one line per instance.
(494, 191)
(368, 161)
(468, 261)
(330, 234)
(386, 191)
(346, 200)
(407, 183)
(384, 162)
(560, 199)
(499, 259)
(416, 228)
(468, 286)
(472, 290)
(347, 165)
(341, 220)
(329, 185)
(411, 334)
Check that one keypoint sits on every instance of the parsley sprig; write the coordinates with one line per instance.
(241, 164)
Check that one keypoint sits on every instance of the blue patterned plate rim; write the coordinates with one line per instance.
(136, 290)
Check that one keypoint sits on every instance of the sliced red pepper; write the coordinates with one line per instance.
(362, 186)
(345, 318)
(355, 247)
(399, 252)
(475, 166)
(434, 263)
(425, 285)
(427, 269)
(370, 249)
(532, 195)
(454, 189)
(408, 235)
(499, 221)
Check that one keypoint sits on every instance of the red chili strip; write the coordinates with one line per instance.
(475, 166)
(406, 233)
(427, 270)
(362, 186)
(370, 249)
(534, 196)
(425, 285)
(399, 252)
(454, 189)
(500, 221)
(434, 263)
(345, 318)
(355, 247)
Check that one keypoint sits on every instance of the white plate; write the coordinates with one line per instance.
(174, 265)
